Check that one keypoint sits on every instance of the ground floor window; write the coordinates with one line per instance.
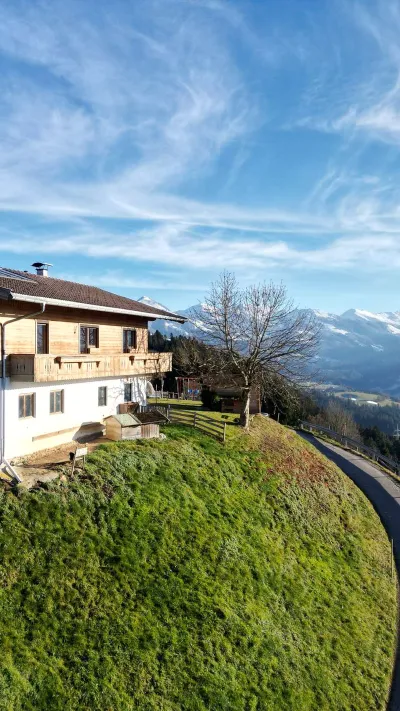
(102, 396)
(27, 405)
(128, 392)
(56, 401)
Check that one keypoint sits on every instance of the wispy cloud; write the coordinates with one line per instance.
(158, 105)
(114, 279)
(129, 127)
(368, 101)
(173, 245)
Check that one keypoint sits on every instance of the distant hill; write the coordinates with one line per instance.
(359, 349)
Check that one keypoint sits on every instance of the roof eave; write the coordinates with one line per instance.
(94, 307)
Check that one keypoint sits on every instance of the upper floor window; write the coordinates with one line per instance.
(129, 339)
(88, 338)
(42, 338)
(26, 404)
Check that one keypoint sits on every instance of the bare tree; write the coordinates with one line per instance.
(250, 334)
(339, 420)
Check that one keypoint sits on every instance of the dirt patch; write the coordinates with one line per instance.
(57, 455)
(45, 465)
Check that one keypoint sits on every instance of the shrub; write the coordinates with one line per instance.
(210, 399)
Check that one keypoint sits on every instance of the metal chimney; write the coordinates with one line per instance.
(42, 268)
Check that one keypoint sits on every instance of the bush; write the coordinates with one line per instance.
(210, 399)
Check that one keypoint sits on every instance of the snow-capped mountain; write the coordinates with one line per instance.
(359, 349)
(155, 304)
(167, 327)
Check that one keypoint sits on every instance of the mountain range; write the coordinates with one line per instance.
(359, 349)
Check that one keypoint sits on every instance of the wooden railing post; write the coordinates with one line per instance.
(194, 419)
(224, 435)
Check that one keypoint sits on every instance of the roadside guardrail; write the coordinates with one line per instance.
(352, 444)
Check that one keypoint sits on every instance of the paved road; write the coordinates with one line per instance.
(384, 495)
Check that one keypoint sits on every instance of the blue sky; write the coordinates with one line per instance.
(146, 145)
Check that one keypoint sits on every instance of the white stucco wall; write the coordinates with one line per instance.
(80, 410)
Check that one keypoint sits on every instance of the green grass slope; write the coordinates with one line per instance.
(185, 575)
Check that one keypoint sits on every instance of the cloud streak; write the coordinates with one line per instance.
(165, 104)
(173, 245)
(124, 124)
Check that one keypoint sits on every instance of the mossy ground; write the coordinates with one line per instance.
(187, 575)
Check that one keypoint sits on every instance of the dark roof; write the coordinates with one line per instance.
(154, 417)
(40, 287)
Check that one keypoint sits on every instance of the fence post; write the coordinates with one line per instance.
(224, 435)
(194, 419)
(392, 558)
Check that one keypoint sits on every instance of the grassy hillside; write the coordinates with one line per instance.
(185, 575)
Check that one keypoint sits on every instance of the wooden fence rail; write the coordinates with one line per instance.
(202, 422)
(192, 418)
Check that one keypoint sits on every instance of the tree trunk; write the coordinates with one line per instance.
(245, 408)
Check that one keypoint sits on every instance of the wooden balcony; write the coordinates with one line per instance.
(31, 368)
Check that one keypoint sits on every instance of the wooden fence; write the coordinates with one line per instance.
(352, 444)
(168, 395)
(193, 418)
(198, 419)
(155, 408)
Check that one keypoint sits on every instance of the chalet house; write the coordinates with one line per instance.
(71, 354)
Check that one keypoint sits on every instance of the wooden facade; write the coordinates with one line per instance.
(150, 431)
(45, 368)
(64, 361)
(64, 329)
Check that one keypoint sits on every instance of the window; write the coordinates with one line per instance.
(128, 392)
(102, 396)
(27, 405)
(42, 338)
(56, 402)
(129, 339)
(89, 338)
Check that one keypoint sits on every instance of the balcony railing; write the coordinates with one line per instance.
(31, 368)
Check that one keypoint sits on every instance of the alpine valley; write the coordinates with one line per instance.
(359, 349)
